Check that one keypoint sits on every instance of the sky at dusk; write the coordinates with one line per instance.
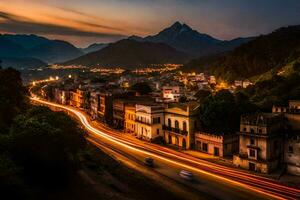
(87, 21)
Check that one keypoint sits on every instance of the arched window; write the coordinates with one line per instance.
(184, 126)
(176, 124)
(169, 123)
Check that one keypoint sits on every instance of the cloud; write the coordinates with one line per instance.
(17, 24)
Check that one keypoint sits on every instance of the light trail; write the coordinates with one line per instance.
(255, 183)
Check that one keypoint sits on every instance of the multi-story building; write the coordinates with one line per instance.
(77, 98)
(171, 93)
(260, 142)
(105, 111)
(217, 145)
(129, 125)
(149, 119)
(61, 96)
(292, 142)
(180, 123)
(94, 104)
(119, 113)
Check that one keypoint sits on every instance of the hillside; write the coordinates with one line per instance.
(94, 47)
(130, 54)
(22, 63)
(267, 52)
(185, 39)
(33, 46)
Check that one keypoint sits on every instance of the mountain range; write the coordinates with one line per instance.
(266, 54)
(176, 44)
(185, 39)
(34, 50)
(131, 54)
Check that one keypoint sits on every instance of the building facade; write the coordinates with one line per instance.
(171, 93)
(260, 142)
(105, 111)
(292, 141)
(180, 123)
(217, 145)
(94, 104)
(77, 98)
(129, 125)
(149, 119)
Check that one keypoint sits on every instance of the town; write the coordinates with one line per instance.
(167, 112)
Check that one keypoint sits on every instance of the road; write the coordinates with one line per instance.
(212, 181)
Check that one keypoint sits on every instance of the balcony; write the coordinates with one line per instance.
(174, 130)
(142, 122)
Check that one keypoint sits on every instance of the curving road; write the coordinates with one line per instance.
(213, 181)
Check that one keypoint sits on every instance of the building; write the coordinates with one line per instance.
(171, 93)
(292, 142)
(180, 123)
(61, 96)
(217, 145)
(292, 154)
(94, 104)
(129, 125)
(77, 98)
(119, 113)
(260, 142)
(105, 111)
(149, 119)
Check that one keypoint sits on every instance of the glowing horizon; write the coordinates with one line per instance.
(83, 23)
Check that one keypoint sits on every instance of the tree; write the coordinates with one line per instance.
(46, 144)
(218, 113)
(12, 96)
(202, 94)
(142, 88)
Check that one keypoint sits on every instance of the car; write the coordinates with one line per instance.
(186, 175)
(149, 161)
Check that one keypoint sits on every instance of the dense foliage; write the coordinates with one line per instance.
(142, 88)
(12, 96)
(38, 147)
(220, 113)
(260, 55)
(276, 91)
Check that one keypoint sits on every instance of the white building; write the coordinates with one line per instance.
(181, 121)
(149, 119)
(171, 93)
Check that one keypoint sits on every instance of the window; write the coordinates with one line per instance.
(260, 130)
(176, 124)
(204, 147)
(156, 120)
(291, 149)
(169, 123)
(184, 126)
(252, 141)
(252, 130)
(245, 129)
(252, 153)
(216, 151)
(157, 131)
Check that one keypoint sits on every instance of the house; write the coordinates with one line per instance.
(171, 93)
(61, 96)
(149, 120)
(77, 98)
(260, 142)
(94, 104)
(292, 141)
(217, 145)
(105, 111)
(180, 123)
(129, 125)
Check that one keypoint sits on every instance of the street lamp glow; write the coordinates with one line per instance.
(56, 77)
(70, 76)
